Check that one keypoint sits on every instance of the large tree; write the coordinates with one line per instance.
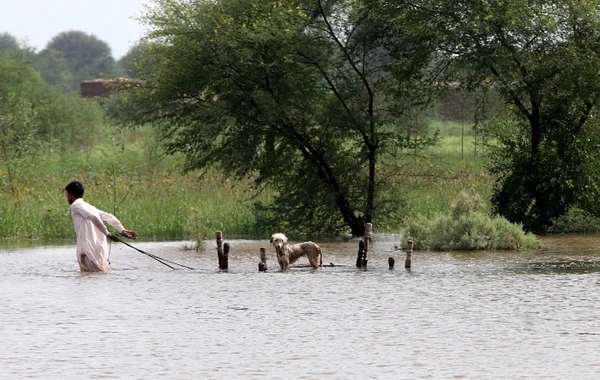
(543, 57)
(88, 57)
(303, 96)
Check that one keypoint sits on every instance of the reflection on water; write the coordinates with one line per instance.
(455, 315)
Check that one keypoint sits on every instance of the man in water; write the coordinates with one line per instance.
(92, 246)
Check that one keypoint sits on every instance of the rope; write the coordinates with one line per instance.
(161, 260)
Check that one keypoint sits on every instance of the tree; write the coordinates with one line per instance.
(54, 68)
(55, 115)
(303, 96)
(129, 63)
(87, 56)
(543, 57)
(8, 42)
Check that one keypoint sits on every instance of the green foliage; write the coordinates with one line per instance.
(575, 221)
(86, 56)
(304, 96)
(17, 76)
(154, 198)
(467, 204)
(129, 63)
(323, 106)
(8, 42)
(467, 227)
(127, 173)
(17, 145)
(567, 174)
(56, 116)
(54, 69)
(542, 58)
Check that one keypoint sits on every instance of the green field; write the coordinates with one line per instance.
(126, 173)
(455, 164)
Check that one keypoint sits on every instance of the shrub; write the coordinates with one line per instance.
(575, 221)
(467, 227)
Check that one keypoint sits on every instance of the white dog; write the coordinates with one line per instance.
(287, 254)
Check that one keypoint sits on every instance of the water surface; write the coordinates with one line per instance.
(455, 315)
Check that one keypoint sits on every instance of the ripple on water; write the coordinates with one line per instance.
(455, 315)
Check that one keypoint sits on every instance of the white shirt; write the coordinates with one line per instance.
(91, 232)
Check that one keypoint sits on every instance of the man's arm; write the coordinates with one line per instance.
(113, 221)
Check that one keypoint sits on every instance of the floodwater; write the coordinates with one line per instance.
(528, 315)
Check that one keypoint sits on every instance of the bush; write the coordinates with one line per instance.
(575, 221)
(467, 227)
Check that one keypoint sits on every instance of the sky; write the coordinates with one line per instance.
(35, 22)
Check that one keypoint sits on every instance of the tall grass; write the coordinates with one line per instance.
(147, 193)
(433, 179)
(127, 173)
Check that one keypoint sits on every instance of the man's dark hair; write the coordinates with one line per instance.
(75, 188)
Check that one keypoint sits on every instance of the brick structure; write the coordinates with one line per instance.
(102, 87)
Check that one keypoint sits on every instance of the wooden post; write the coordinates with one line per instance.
(409, 250)
(220, 255)
(262, 266)
(363, 247)
(368, 229)
(225, 263)
(361, 253)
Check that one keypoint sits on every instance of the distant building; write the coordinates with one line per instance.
(104, 87)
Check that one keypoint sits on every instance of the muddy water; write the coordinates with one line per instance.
(454, 316)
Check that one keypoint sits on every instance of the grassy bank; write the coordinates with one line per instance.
(126, 173)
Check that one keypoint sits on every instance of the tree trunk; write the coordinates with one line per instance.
(358, 227)
(532, 183)
(370, 206)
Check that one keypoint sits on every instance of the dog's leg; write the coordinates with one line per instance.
(314, 256)
(314, 259)
(283, 259)
(320, 256)
(286, 261)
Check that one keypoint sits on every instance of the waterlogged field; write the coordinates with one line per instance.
(455, 315)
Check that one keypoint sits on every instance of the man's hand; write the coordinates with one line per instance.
(112, 237)
(129, 234)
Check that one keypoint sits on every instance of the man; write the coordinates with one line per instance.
(92, 247)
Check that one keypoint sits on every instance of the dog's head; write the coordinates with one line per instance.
(278, 240)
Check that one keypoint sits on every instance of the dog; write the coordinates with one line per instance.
(288, 254)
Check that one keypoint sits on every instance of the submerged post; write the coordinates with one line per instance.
(391, 262)
(409, 250)
(225, 263)
(262, 265)
(220, 254)
(363, 247)
(361, 253)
